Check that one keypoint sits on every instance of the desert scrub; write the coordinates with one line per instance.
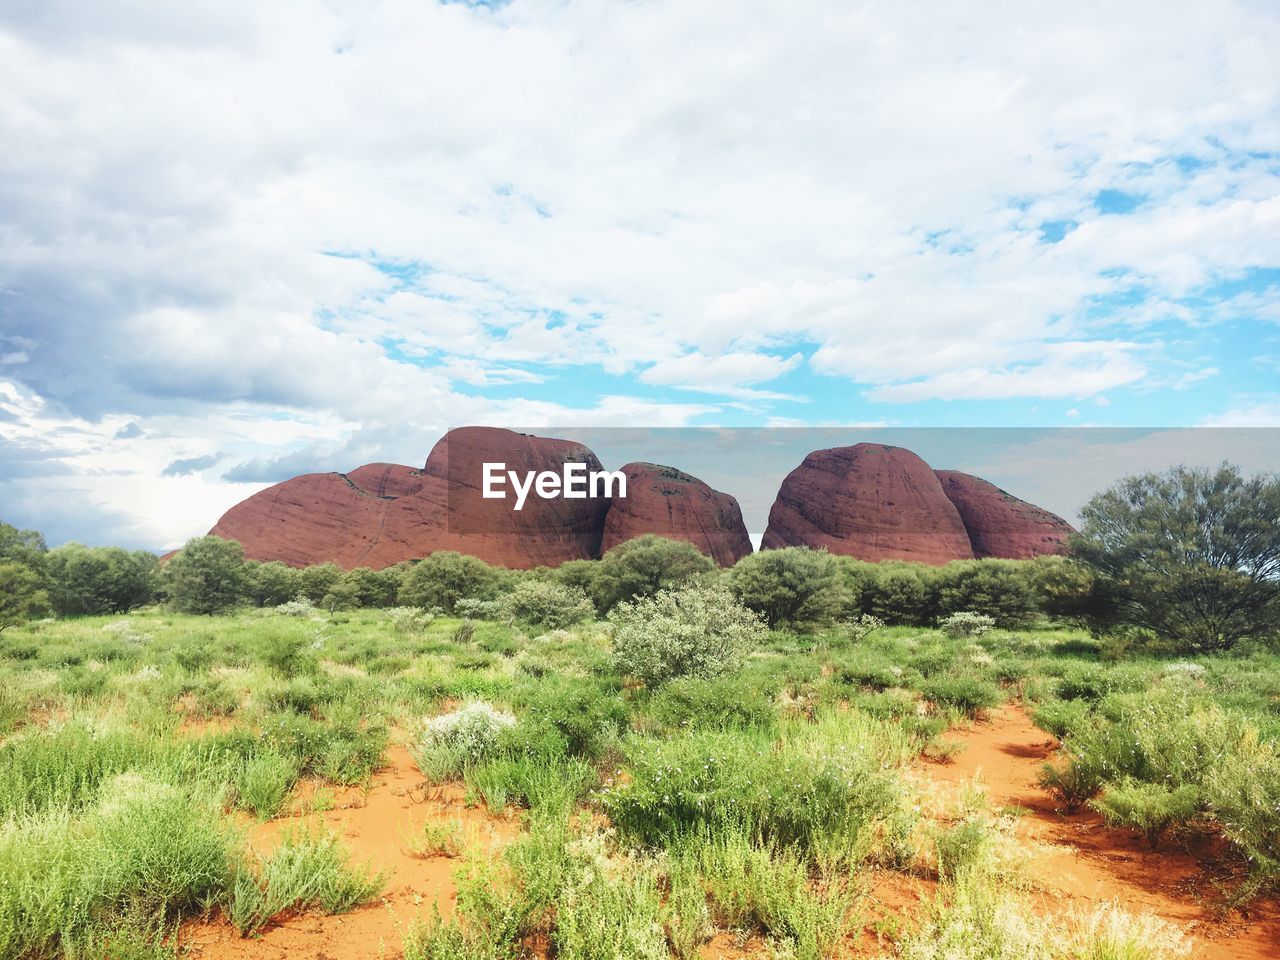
(991, 922)
(724, 702)
(810, 788)
(306, 871)
(971, 695)
(966, 623)
(695, 632)
(531, 781)
(144, 852)
(264, 782)
(451, 742)
(758, 887)
(436, 838)
(1150, 808)
(547, 603)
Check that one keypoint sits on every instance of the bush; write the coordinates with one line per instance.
(144, 851)
(966, 624)
(1151, 808)
(967, 693)
(641, 567)
(304, 871)
(694, 632)
(816, 788)
(474, 609)
(272, 583)
(444, 578)
(1243, 791)
(1000, 589)
(453, 741)
(22, 594)
(721, 703)
(410, 621)
(265, 782)
(897, 593)
(861, 628)
(788, 586)
(546, 603)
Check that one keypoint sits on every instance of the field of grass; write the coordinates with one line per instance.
(770, 811)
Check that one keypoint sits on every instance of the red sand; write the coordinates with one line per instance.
(1099, 864)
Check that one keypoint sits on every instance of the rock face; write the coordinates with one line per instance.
(1001, 525)
(870, 501)
(382, 514)
(673, 504)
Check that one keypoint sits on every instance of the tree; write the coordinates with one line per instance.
(24, 546)
(1190, 556)
(22, 595)
(96, 580)
(271, 583)
(315, 581)
(207, 576)
(445, 577)
(789, 585)
(644, 565)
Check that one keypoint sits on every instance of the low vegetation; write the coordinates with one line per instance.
(683, 751)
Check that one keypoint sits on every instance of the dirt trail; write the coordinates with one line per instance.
(373, 826)
(1094, 863)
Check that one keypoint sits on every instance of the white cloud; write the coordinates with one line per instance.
(281, 227)
(1079, 370)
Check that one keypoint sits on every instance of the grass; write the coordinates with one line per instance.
(752, 802)
(307, 870)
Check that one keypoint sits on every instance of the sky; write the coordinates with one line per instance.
(245, 240)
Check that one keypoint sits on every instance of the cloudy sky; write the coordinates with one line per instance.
(240, 241)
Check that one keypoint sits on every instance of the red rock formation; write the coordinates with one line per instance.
(1001, 525)
(670, 503)
(382, 514)
(870, 501)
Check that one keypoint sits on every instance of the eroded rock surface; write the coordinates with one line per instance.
(1001, 525)
(671, 503)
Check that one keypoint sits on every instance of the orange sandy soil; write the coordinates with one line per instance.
(1092, 863)
(373, 825)
(1079, 862)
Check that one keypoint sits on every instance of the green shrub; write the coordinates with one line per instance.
(964, 847)
(788, 586)
(971, 695)
(306, 871)
(694, 632)
(144, 852)
(1150, 808)
(444, 578)
(264, 783)
(588, 716)
(754, 886)
(638, 568)
(208, 575)
(546, 603)
(1243, 791)
(723, 702)
(451, 742)
(607, 911)
(531, 781)
(812, 788)
(999, 589)
(897, 593)
(966, 623)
